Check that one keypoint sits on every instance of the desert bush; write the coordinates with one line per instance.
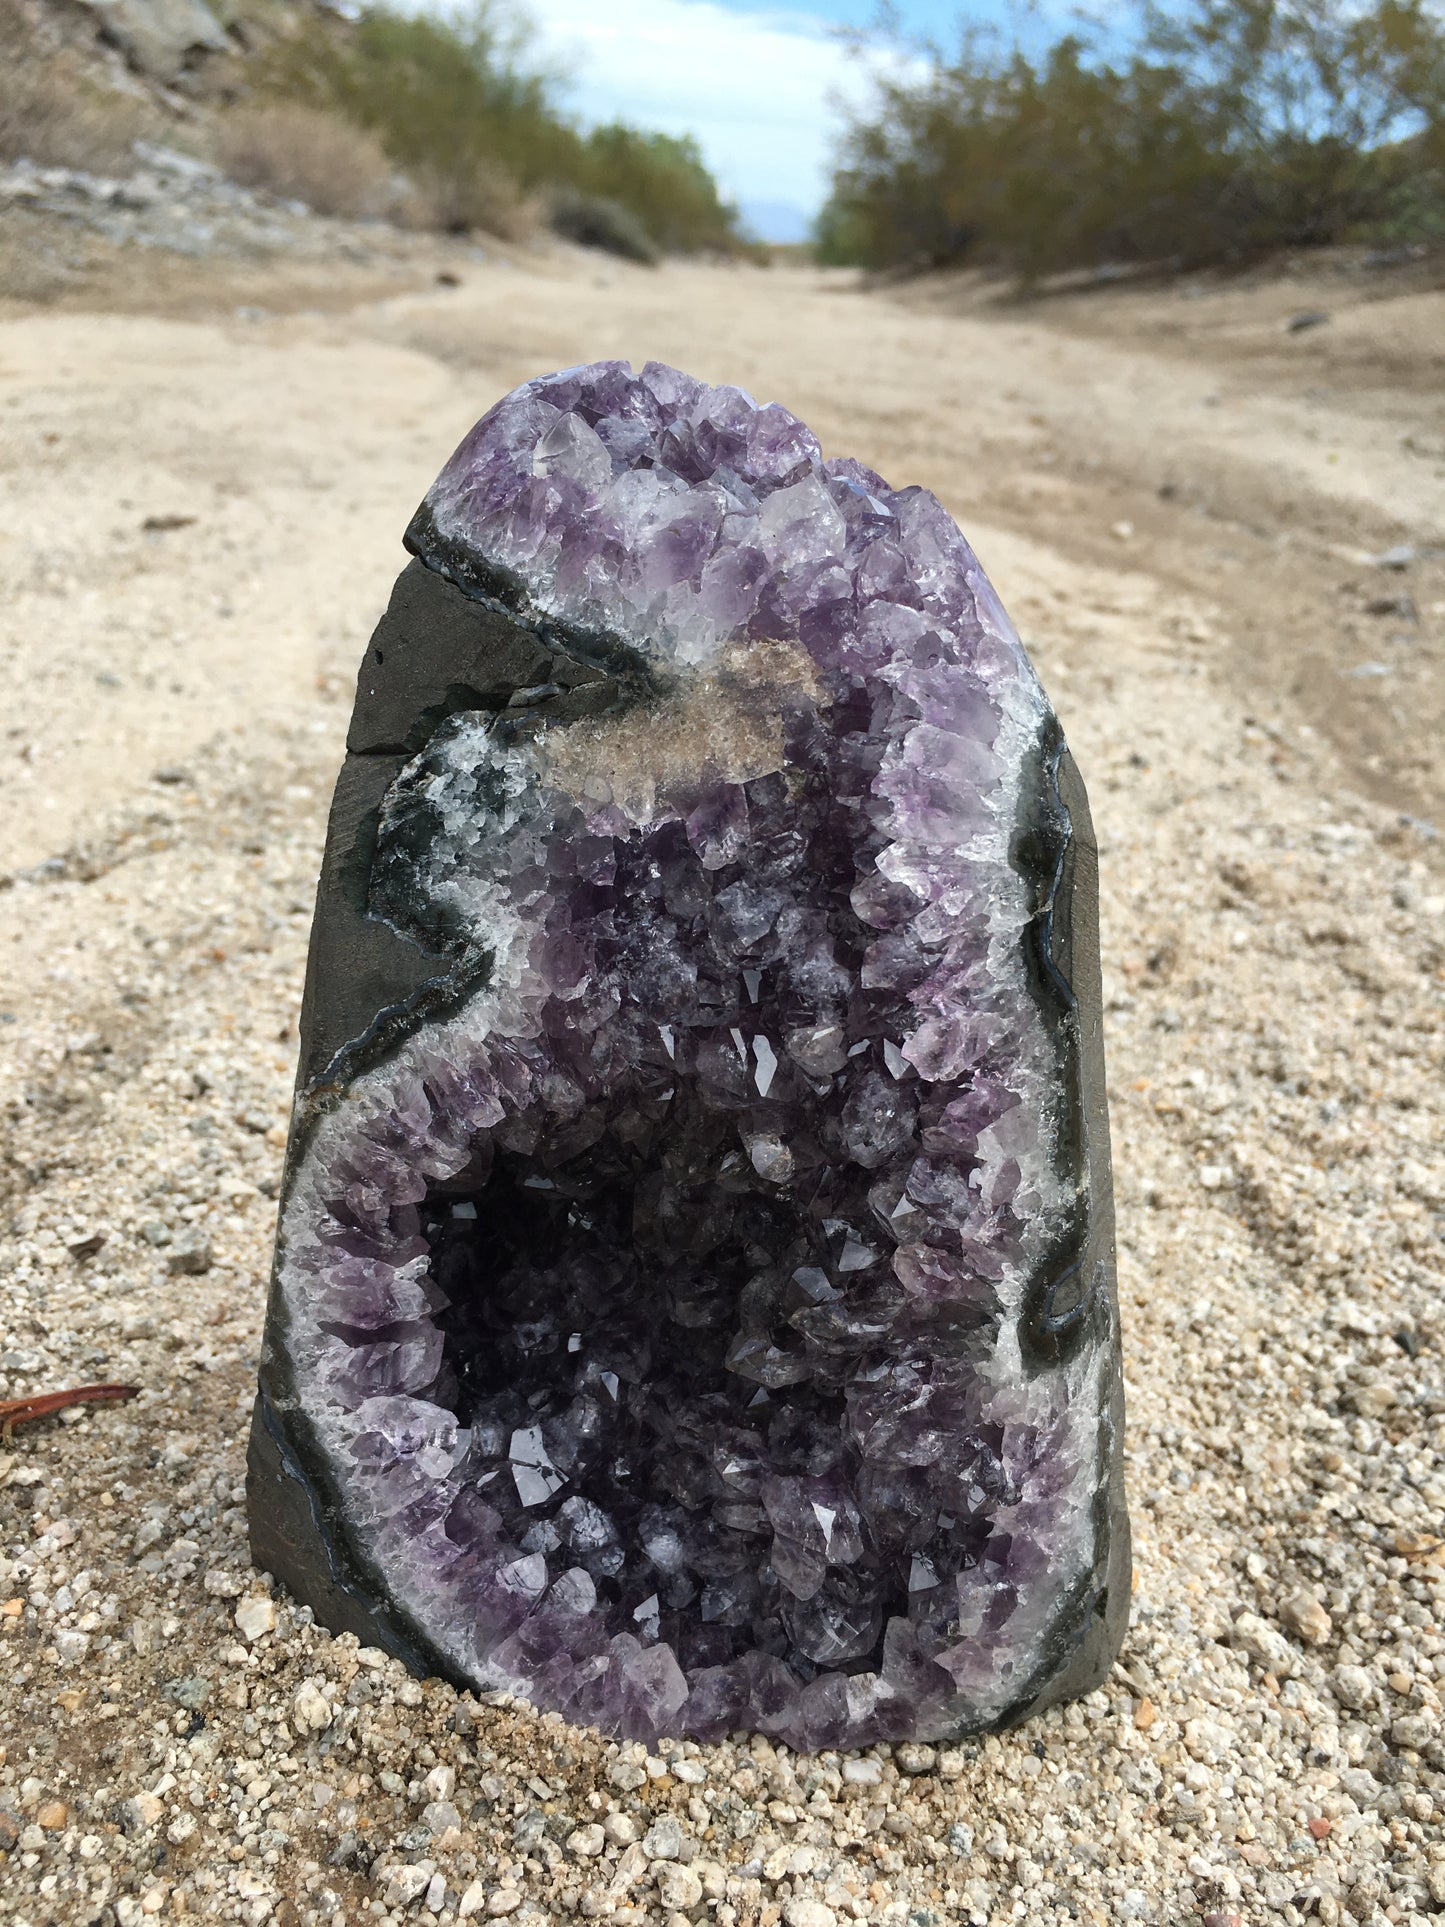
(50, 112)
(459, 105)
(594, 222)
(1227, 128)
(481, 195)
(449, 102)
(306, 154)
(663, 182)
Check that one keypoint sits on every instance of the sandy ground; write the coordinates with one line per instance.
(1180, 500)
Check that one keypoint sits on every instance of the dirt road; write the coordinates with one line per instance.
(1178, 499)
(220, 499)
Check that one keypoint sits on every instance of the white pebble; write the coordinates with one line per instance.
(310, 1709)
(256, 1616)
(808, 1913)
(678, 1888)
(406, 1884)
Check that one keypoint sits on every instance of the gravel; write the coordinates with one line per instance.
(178, 1739)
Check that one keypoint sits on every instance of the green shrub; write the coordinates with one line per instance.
(1227, 128)
(460, 108)
(663, 182)
(594, 222)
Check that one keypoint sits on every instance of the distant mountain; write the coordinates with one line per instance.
(780, 221)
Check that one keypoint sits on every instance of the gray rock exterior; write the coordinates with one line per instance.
(160, 38)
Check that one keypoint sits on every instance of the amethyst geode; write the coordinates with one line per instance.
(694, 1300)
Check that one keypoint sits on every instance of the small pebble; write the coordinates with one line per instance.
(256, 1616)
(189, 1254)
(678, 1888)
(808, 1913)
(663, 1839)
(1302, 1614)
(1353, 1686)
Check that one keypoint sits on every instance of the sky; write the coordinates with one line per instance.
(758, 86)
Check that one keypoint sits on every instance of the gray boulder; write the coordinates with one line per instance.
(160, 38)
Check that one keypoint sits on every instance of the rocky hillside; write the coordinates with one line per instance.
(127, 165)
(179, 53)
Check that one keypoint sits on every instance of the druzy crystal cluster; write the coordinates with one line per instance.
(700, 1318)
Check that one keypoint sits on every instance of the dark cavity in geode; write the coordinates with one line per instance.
(694, 1304)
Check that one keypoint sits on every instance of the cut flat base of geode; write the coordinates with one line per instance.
(694, 1303)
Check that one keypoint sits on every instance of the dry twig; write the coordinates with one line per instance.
(20, 1411)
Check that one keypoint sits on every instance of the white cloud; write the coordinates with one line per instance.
(755, 88)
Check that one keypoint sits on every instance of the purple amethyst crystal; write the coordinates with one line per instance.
(693, 1303)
